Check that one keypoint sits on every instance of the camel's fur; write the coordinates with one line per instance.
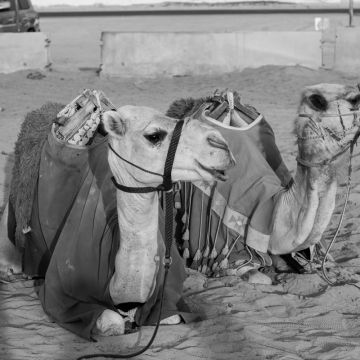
(33, 134)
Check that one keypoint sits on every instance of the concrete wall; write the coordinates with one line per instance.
(19, 51)
(169, 54)
(347, 49)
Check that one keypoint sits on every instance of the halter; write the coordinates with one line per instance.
(167, 181)
(351, 145)
(166, 186)
(340, 135)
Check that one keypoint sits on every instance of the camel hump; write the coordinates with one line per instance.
(32, 136)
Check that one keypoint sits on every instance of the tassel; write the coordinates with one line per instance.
(204, 261)
(218, 260)
(204, 269)
(177, 200)
(186, 235)
(206, 252)
(213, 254)
(195, 265)
(225, 250)
(197, 255)
(184, 218)
(196, 260)
(214, 266)
(224, 264)
(186, 254)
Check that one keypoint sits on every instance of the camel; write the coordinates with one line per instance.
(105, 268)
(295, 211)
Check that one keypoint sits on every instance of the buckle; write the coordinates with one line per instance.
(167, 261)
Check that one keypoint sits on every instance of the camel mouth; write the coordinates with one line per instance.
(218, 174)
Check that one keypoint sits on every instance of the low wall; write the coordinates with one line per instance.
(347, 49)
(170, 54)
(20, 51)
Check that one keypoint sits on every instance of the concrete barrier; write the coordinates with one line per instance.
(347, 49)
(152, 54)
(20, 51)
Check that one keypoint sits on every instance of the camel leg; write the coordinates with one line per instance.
(10, 258)
(109, 323)
(171, 320)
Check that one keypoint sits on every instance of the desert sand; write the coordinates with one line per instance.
(298, 317)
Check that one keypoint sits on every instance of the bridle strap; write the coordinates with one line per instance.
(170, 157)
(323, 163)
(169, 162)
(306, 163)
(131, 163)
(138, 190)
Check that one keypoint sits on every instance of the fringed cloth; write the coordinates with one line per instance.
(222, 224)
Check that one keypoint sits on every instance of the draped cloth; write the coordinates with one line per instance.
(220, 220)
(75, 236)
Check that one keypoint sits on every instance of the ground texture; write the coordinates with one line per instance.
(299, 317)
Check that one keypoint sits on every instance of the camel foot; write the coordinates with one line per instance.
(171, 320)
(109, 323)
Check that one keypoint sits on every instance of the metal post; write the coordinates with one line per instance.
(17, 16)
(351, 12)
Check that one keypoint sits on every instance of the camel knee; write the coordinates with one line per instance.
(171, 320)
(109, 323)
(256, 277)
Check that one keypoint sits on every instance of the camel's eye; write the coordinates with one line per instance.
(317, 102)
(156, 137)
(354, 100)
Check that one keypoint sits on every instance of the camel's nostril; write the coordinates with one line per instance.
(217, 142)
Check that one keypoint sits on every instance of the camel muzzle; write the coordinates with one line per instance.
(219, 143)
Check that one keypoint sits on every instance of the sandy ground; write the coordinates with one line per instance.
(299, 317)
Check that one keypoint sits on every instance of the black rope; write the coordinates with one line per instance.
(139, 190)
(131, 163)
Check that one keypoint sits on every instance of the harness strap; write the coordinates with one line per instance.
(169, 162)
(131, 163)
(323, 163)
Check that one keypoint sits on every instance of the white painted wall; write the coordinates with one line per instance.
(20, 51)
(168, 54)
(347, 50)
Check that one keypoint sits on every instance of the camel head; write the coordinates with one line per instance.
(142, 136)
(328, 120)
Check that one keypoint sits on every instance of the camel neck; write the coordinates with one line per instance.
(137, 259)
(137, 210)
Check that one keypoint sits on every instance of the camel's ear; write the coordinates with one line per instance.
(114, 124)
(317, 102)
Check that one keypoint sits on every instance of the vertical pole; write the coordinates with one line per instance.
(17, 15)
(351, 12)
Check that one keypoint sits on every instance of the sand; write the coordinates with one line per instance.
(299, 317)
